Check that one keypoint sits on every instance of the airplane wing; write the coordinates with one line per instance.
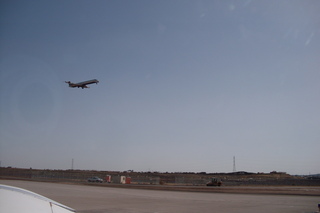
(17, 200)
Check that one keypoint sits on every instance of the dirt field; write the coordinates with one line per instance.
(158, 179)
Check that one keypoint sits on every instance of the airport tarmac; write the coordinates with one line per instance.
(97, 199)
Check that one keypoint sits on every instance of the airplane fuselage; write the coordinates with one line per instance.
(82, 84)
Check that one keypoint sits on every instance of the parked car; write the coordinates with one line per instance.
(95, 179)
(214, 182)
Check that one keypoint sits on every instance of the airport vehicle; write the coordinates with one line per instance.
(95, 179)
(82, 84)
(214, 182)
(17, 200)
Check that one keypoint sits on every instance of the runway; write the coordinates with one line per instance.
(97, 199)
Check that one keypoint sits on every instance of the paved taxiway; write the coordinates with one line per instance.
(97, 199)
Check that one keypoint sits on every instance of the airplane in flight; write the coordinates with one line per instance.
(82, 84)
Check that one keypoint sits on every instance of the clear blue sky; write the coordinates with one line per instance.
(184, 85)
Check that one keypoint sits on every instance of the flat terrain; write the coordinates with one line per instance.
(98, 199)
(270, 190)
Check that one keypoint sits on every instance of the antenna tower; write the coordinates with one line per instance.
(72, 164)
(234, 164)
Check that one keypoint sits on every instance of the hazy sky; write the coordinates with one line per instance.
(184, 85)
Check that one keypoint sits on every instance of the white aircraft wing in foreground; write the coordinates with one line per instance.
(82, 84)
(17, 200)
